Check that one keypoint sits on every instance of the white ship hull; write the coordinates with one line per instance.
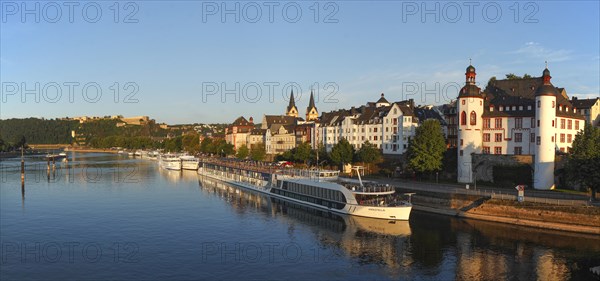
(170, 163)
(388, 213)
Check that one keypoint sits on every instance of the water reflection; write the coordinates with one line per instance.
(431, 246)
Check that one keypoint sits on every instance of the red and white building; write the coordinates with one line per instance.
(515, 116)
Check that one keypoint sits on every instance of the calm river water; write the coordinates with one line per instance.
(113, 217)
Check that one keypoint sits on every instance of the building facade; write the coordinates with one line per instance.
(589, 108)
(515, 116)
(388, 126)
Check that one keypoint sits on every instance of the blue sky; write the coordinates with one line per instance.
(173, 55)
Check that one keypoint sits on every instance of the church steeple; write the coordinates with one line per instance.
(311, 110)
(292, 110)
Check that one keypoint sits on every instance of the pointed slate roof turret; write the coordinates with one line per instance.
(547, 88)
(292, 103)
(470, 89)
(311, 103)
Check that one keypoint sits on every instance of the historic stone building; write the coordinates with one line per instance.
(515, 116)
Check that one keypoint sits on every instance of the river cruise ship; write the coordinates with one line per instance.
(170, 162)
(347, 197)
(189, 162)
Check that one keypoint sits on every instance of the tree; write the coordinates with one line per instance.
(323, 155)
(242, 152)
(342, 152)
(426, 149)
(492, 80)
(302, 152)
(258, 152)
(191, 143)
(512, 76)
(526, 76)
(368, 154)
(583, 164)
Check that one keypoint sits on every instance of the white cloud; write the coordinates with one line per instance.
(537, 51)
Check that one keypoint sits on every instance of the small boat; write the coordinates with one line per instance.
(189, 162)
(54, 157)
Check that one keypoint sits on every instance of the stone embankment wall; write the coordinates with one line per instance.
(566, 218)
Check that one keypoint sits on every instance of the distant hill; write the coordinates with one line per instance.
(40, 131)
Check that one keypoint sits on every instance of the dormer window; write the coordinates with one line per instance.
(567, 108)
(529, 107)
(560, 108)
(500, 108)
(520, 107)
(514, 108)
(491, 109)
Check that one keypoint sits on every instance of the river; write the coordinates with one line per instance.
(106, 216)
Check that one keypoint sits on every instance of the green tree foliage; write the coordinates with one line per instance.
(191, 143)
(242, 152)
(302, 152)
(583, 165)
(323, 155)
(342, 152)
(426, 149)
(368, 153)
(258, 152)
(512, 76)
(173, 144)
(37, 131)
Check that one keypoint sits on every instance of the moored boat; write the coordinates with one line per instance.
(189, 162)
(170, 162)
(359, 199)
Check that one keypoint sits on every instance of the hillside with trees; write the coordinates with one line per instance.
(38, 131)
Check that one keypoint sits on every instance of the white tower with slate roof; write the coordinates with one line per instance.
(469, 109)
(545, 116)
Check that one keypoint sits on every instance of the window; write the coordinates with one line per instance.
(553, 104)
(552, 139)
(532, 122)
(374, 137)
(537, 140)
(492, 108)
(498, 137)
(461, 142)
(486, 150)
(532, 137)
(569, 138)
(529, 107)
(518, 137)
(576, 124)
(463, 118)
(461, 152)
(497, 150)
(518, 150)
(473, 118)
(570, 124)
(463, 102)
(562, 123)
(552, 123)
(518, 123)
(486, 137)
(539, 104)
(486, 123)
(498, 123)
(562, 138)
(538, 123)
(375, 131)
